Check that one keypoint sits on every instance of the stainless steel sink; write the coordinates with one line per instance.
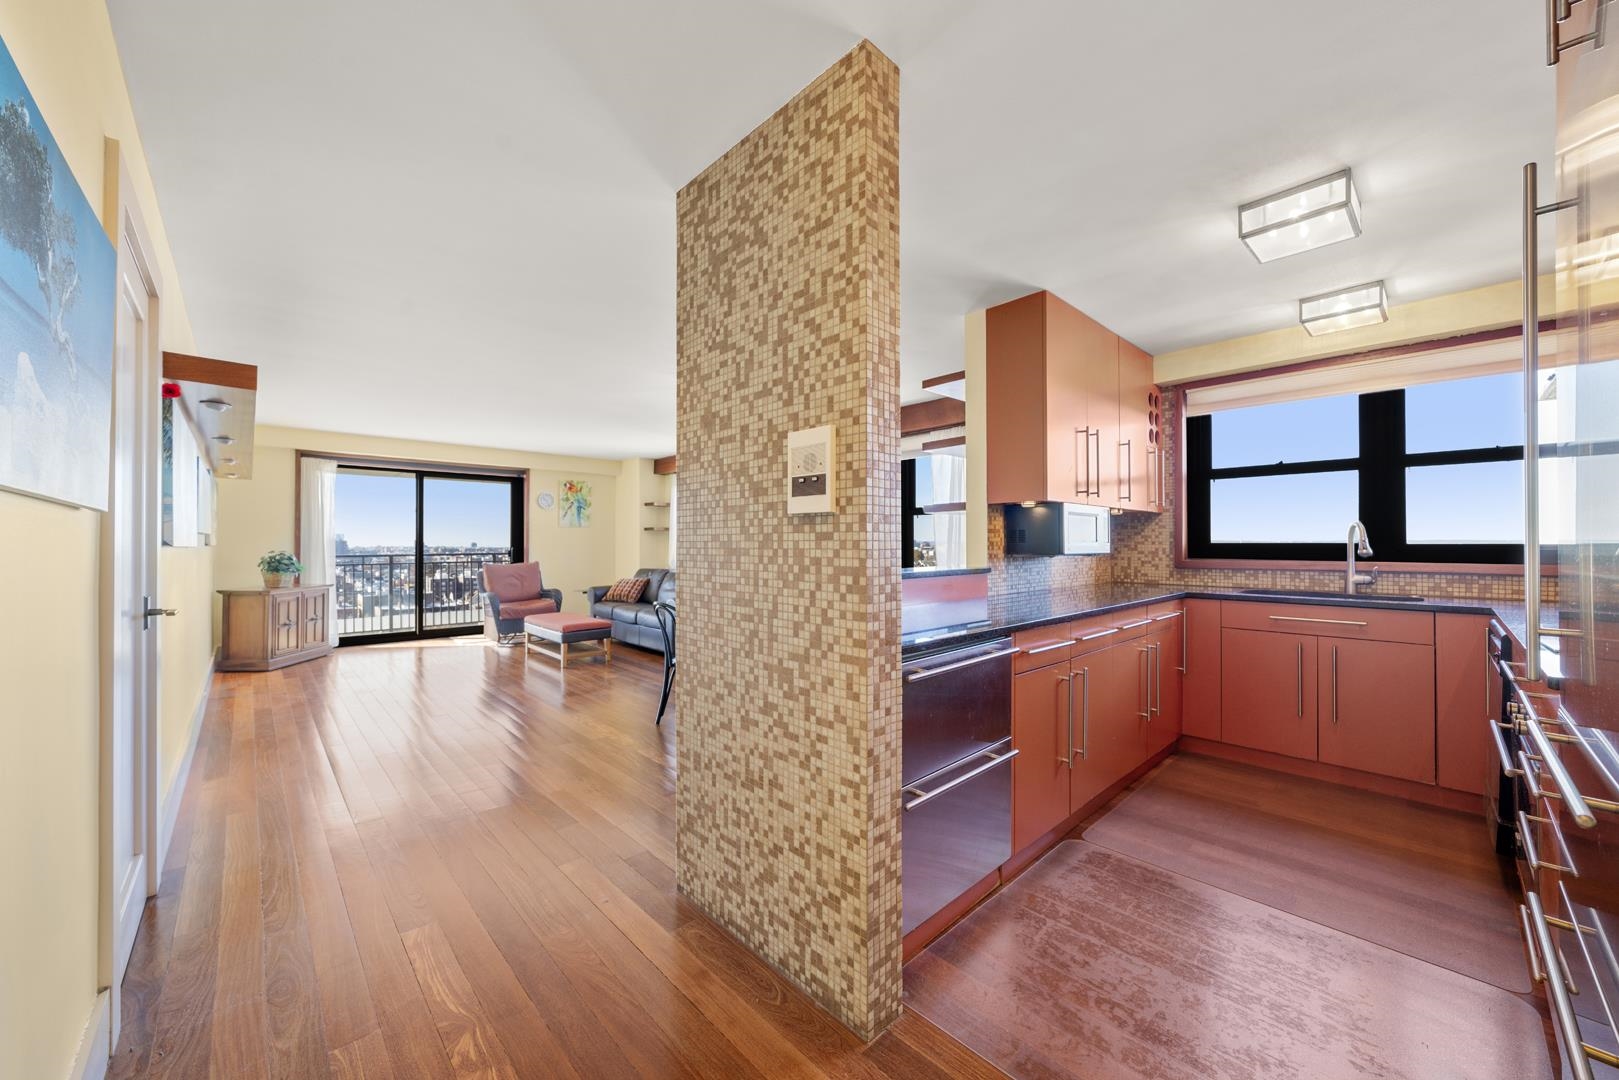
(1377, 597)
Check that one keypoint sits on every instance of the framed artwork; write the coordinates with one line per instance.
(58, 273)
(575, 503)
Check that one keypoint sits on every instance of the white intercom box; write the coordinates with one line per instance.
(809, 471)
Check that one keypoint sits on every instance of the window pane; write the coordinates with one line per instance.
(1316, 429)
(1464, 414)
(1309, 509)
(1480, 503)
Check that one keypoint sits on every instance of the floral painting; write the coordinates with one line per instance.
(57, 272)
(575, 504)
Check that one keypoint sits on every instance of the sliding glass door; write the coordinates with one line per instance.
(411, 547)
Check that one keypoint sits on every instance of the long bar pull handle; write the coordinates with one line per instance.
(1335, 686)
(1084, 712)
(1166, 615)
(1133, 625)
(1526, 833)
(1094, 462)
(926, 796)
(1068, 689)
(1144, 687)
(1099, 634)
(1556, 988)
(1300, 678)
(1501, 750)
(1578, 809)
(1128, 472)
(1048, 648)
(1529, 948)
(1082, 435)
(1158, 677)
(1558, 11)
(1329, 622)
(927, 673)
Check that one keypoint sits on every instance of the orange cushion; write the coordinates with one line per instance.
(513, 581)
(627, 590)
(561, 623)
(522, 609)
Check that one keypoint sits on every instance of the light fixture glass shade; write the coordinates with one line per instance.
(1345, 309)
(1311, 215)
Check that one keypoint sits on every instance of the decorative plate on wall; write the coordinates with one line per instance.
(546, 500)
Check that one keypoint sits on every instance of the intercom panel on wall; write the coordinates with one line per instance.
(809, 471)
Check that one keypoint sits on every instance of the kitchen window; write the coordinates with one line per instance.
(1434, 470)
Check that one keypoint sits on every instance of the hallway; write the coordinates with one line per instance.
(442, 860)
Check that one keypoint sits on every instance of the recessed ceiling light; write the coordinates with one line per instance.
(224, 440)
(227, 461)
(1345, 309)
(216, 404)
(230, 476)
(1310, 215)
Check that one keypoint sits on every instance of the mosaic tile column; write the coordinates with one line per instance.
(789, 692)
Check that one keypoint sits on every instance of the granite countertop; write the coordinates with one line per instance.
(1032, 610)
(941, 571)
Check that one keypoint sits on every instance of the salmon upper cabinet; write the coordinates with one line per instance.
(1268, 691)
(1376, 710)
(1068, 409)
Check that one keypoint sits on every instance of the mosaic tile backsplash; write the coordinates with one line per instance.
(789, 694)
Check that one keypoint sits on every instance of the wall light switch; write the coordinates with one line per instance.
(809, 471)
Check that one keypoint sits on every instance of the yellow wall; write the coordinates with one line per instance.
(635, 546)
(49, 730)
(256, 515)
(1421, 320)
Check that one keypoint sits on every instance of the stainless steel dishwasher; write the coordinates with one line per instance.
(956, 773)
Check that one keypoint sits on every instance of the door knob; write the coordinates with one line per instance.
(150, 612)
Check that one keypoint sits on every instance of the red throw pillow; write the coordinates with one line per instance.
(627, 590)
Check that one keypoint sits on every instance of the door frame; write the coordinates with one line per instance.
(125, 223)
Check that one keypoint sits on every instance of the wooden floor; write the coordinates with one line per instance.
(446, 860)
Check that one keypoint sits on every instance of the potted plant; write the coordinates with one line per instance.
(280, 569)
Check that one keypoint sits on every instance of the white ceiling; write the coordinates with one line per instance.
(456, 221)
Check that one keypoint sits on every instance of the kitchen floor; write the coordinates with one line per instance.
(1225, 921)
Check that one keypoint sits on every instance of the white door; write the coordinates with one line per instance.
(129, 653)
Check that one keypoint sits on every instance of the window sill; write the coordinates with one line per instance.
(1337, 566)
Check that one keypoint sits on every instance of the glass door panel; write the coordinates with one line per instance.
(375, 520)
(466, 523)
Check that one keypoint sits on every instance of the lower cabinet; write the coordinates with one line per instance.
(1268, 691)
(1376, 707)
(1200, 697)
(1164, 721)
(1109, 719)
(1040, 734)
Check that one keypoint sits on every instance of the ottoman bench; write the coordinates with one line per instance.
(562, 630)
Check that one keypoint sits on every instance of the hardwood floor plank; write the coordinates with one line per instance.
(365, 1058)
(475, 1051)
(238, 1030)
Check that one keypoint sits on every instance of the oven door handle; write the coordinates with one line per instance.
(919, 674)
(994, 760)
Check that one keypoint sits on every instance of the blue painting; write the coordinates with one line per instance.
(57, 280)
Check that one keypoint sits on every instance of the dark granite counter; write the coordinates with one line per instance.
(936, 572)
(1026, 612)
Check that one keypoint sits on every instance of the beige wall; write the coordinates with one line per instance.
(636, 546)
(49, 731)
(257, 515)
(789, 701)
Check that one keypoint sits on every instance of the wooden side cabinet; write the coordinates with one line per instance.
(265, 629)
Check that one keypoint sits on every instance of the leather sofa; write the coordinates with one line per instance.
(636, 624)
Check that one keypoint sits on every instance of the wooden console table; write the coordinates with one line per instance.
(265, 629)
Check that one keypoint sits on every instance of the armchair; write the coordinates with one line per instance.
(513, 592)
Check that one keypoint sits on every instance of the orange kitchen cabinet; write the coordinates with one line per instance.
(1164, 724)
(1268, 691)
(1139, 474)
(1041, 705)
(1110, 723)
(1200, 683)
(1467, 695)
(1376, 709)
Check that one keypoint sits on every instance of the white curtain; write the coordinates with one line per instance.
(949, 527)
(317, 540)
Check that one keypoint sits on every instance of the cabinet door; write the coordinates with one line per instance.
(314, 615)
(1041, 725)
(1081, 406)
(1138, 475)
(1110, 724)
(1466, 695)
(1200, 686)
(1377, 707)
(1268, 691)
(1165, 724)
(286, 632)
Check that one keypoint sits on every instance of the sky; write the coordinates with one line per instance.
(379, 510)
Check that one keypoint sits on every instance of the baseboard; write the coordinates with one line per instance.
(170, 811)
(95, 1045)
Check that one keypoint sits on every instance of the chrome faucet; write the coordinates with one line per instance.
(1357, 543)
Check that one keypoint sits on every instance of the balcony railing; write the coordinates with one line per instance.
(376, 593)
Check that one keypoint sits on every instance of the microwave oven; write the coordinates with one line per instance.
(1053, 528)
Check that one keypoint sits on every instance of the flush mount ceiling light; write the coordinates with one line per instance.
(1311, 215)
(1359, 305)
(224, 440)
(216, 404)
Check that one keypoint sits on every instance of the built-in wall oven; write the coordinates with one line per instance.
(956, 774)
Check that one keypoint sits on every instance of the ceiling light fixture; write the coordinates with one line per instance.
(227, 461)
(1310, 215)
(216, 404)
(224, 440)
(1344, 309)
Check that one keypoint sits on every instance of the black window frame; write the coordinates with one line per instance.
(1380, 467)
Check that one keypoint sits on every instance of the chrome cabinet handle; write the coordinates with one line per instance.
(1085, 713)
(1100, 634)
(1082, 435)
(1069, 679)
(1300, 680)
(1144, 686)
(1166, 615)
(1329, 622)
(1186, 650)
(927, 673)
(1526, 833)
(1136, 623)
(1549, 972)
(1048, 648)
(1578, 808)
(1093, 461)
(1531, 953)
(1129, 473)
(1501, 750)
(1335, 686)
(1158, 677)
(926, 796)
(1558, 11)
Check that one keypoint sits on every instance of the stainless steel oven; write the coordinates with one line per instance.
(956, 774)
